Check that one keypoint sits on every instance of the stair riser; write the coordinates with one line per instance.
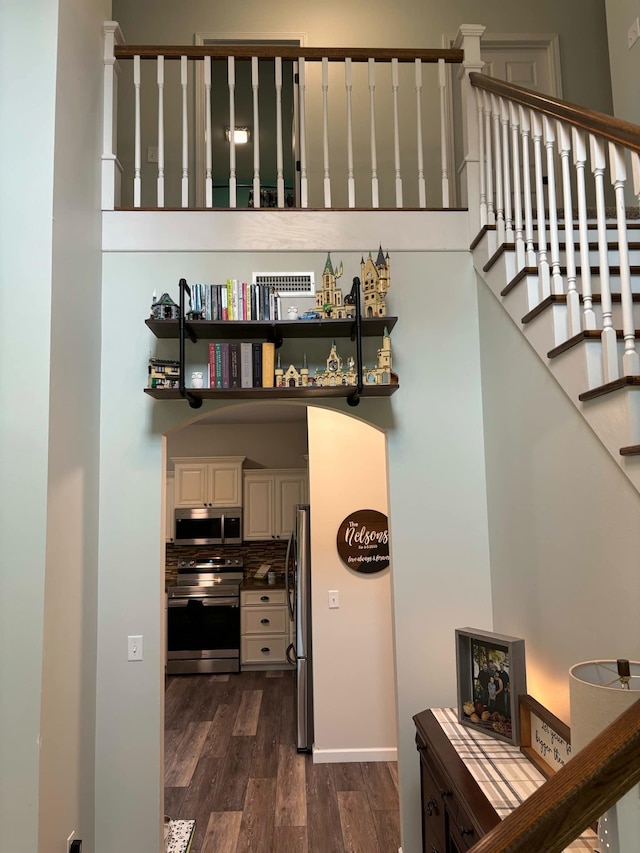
(594, 257)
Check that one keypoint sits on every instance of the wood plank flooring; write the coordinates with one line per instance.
(231, 764)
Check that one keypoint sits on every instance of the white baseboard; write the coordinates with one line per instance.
(339, 756)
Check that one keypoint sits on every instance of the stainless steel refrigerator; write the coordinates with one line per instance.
(298, 584)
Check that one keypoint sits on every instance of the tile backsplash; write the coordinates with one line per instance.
(254, 554)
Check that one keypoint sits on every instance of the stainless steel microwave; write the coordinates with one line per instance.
(208, 525)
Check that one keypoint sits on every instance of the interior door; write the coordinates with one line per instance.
(529, 61)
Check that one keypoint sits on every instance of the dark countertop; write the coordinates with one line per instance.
(252, 583)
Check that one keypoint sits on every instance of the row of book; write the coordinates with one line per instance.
(241, 365)
(235, 300)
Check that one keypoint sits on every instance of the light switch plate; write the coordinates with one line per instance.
(334, 599)
(134, 643)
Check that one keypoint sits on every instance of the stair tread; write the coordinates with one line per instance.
(608, 387)
(630, 450)
(561, 299)
(584, 335)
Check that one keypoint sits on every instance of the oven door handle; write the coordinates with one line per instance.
(206, 602)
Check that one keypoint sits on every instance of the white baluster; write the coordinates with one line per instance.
(208, 178)
(514, 117)
(635, 168)
(348, 83)
(136, 165)
(557, 285)
(630, 359)
(444, 165)
(110, 167)
(495, 113)
(422, 190)
(481, 158)
(185, 133)
(161, 131)
(231, 83)
(610, 367)
(396, 131)
(573, 300)
(508, 214)
(304, 188)
(525, 132)
(541, 226)
(256, 132)
(372, 115)
(488, 148)
(579, 161)
(279, 158)
(325, 132)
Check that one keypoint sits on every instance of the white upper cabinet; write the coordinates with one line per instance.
(169, 507)
(208, 481)
(269, 500)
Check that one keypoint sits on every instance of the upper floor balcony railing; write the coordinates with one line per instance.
(227, 126)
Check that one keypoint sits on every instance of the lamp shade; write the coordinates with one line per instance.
(598, 696)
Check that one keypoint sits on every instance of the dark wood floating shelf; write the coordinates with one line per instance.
(246, 329)
(271, 393)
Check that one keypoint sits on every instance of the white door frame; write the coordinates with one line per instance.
(206, 38)
(549, 42)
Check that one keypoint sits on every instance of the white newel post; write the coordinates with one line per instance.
(111, 168)
(468, 38)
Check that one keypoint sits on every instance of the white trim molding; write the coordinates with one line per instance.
(340, 756)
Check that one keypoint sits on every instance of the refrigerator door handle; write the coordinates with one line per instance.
(291, 654)
(287, 577)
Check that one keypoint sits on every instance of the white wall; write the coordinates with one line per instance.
(353, 661)
(564, 521)
(50, 270)
(436, 483)
(625, 63)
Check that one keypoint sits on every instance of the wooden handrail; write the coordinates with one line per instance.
(608, 127)
(579, 793)
(246, 51)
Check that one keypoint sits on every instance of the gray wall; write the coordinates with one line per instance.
(580, 24)
(625, 63)
(50, 269)
(564, 522)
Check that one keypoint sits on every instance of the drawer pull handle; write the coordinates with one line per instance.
(265, 649)
(444, 793)
(464, 831)
(264, 598)
(432, 807)
(264, 621)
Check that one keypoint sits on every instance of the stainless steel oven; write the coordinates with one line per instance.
(203, 619)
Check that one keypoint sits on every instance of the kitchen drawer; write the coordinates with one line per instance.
(252, 597)
(264, 649)
(264, 620)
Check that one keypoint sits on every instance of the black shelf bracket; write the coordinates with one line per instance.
(354, 398)
(183, 287)
(274, 335)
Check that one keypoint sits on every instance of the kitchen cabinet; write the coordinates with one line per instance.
(208, 481)
(264, 627)
(169, 504)
(269, 499)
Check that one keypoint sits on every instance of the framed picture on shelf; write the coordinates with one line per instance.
(544, 739)
(490, 677)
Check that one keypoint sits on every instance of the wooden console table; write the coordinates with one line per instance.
(469, 783)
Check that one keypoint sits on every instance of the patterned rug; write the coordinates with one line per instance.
(180, 836)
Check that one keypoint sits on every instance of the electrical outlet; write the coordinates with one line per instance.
(152, 154)
(69, 840)
(633, 33)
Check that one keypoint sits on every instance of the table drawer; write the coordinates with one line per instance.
(264, 620)
(275, 596)
(264, 649)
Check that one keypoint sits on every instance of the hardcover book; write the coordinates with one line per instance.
(218, 347)
(256, 350)
(212, 365)
(246, 367)
(234, 365)
(226, 367)
(268, 364)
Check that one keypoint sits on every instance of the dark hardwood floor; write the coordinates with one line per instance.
(231, 764)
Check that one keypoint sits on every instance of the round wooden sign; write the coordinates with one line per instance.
(363, 541)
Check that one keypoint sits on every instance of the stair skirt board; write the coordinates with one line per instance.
(340, 756)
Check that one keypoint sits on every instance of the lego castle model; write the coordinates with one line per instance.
(376, 279)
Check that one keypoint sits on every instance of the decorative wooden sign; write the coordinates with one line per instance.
(544, 739)
(363, 541)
